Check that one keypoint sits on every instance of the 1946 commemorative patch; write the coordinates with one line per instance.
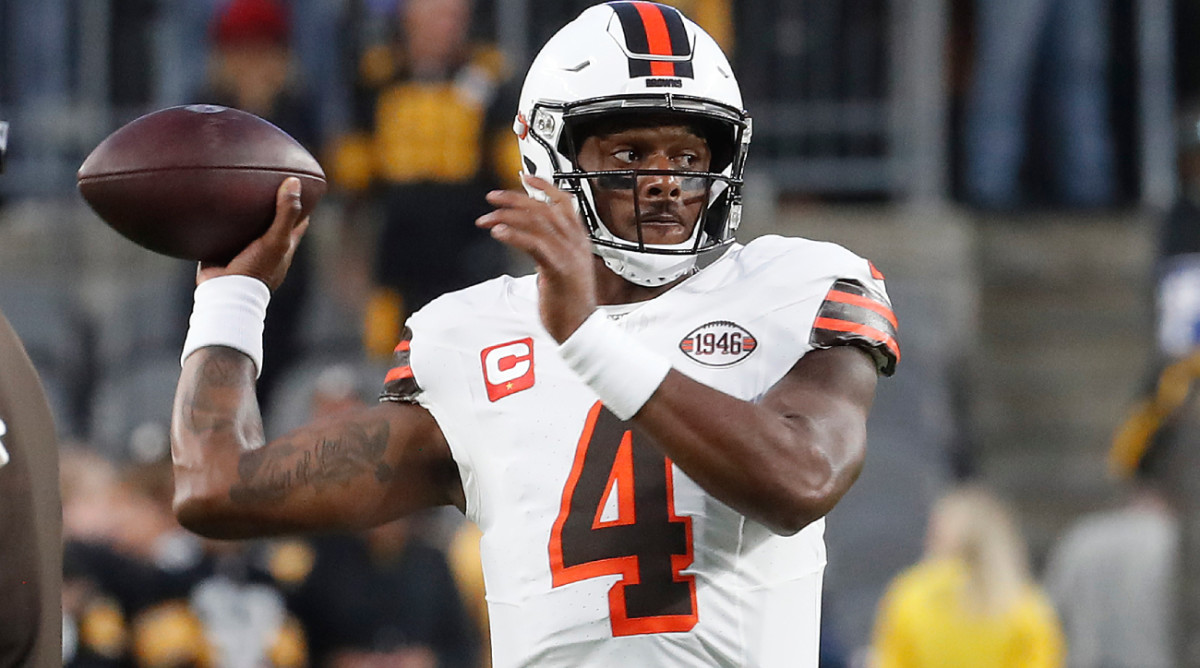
(718, 343)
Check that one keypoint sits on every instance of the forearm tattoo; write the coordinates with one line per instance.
(211, 404)
(269, 474)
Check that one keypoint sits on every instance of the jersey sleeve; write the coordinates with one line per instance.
(856, 312)
(400, 385)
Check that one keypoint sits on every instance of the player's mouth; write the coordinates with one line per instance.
(661, 220)
(662, 228)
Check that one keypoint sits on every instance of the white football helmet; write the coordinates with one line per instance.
(625, 58)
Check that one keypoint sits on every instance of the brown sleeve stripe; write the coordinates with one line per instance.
(853, 314)
(858, 315)
(861, 330)
(403, 349)
(837, 295)
(399, 384)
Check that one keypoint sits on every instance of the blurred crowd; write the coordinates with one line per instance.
(139, 590)
(408, 104)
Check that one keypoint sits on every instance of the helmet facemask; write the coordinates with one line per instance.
(717, 190)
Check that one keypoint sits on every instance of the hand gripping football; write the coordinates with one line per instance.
(196, 182)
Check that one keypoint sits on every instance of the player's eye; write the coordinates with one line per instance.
(626, 156)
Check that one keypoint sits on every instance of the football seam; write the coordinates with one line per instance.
(148, 170)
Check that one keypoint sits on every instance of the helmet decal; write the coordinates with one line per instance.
(655, 39)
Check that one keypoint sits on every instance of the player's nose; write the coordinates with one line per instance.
(661, 185)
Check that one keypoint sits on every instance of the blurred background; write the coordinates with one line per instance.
(1025, 172)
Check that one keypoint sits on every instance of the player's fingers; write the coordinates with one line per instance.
(566, 215)
(287, 209)
(553, 192)
(511, 199)
(531, 244)
(519, 209)
(298, 232)
(294, 241)
(539, 221)
(516, 218)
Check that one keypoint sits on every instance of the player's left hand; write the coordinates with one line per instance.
(552, 233)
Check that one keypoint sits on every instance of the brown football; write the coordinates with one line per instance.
(196, 182)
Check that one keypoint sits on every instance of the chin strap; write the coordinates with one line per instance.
(646, 269)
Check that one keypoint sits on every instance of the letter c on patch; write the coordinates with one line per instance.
(508, 368)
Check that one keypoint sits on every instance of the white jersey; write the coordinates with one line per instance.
(597, 550)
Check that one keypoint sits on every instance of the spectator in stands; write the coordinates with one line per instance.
(382, 597)
(1112, 575)
(715, 16)
(232, 613)
(1178, 262)
(432, 137)
(253, 69)
(971, 602)
(139, 591)
(317, 36)
(103, 582)
(467, 567)
(1017, 42)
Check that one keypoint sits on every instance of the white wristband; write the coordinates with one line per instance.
(621, 370)
(229, 311)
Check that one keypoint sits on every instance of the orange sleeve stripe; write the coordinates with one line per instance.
(865, 302)
(398, 373)
(402, 346)
(861, 330)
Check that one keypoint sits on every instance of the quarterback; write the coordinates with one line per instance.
(648, 430)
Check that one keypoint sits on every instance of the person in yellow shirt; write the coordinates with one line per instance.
(432, 135)
(970, 602)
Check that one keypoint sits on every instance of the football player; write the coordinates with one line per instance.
(648, 430)
(31, 622)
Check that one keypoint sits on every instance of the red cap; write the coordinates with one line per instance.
(242, 21)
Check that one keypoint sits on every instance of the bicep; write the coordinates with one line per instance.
(836, 383)
(828, 394)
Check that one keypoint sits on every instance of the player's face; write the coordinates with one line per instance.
(667, 206)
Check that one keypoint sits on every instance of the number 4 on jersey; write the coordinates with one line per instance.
(645, 543)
